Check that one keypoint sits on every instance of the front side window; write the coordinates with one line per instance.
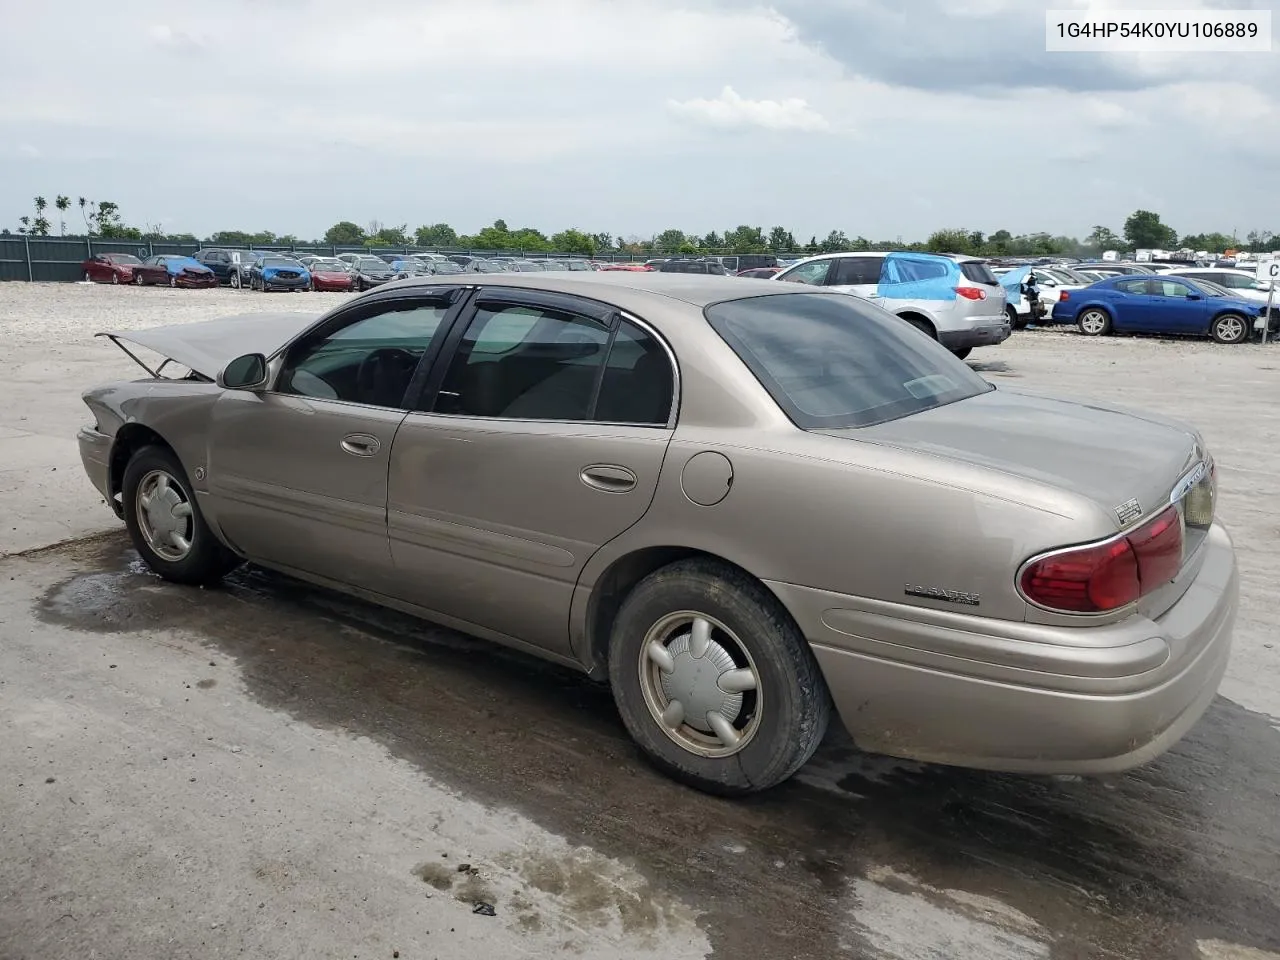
(834, 362)
(1169, 288)
(368, 361)
(814, 273)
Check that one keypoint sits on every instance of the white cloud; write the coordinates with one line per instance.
(730, 111)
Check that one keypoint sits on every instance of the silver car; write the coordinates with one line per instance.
(956, 300)
(742, 503)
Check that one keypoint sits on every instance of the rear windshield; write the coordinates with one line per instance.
(832, 361)
(979, 273)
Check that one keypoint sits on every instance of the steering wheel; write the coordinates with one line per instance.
(383, 376)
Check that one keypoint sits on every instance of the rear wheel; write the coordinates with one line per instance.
(1094, 323)
(115, 277)
(165, 523)
(714, 680)
(1229, 328)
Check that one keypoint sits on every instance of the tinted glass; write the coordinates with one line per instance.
(833, 361)
(526, 363)
(1168, 288)
(638, 380)
(856, 270)
(446, 267)
(370, 361)
(485, 266)
(1232, 281)
(978, 273)
(1133, 287)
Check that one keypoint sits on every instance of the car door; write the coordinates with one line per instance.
(98, 269)
(1175, 307)
(298, 473)
(1130, 303)
(857, 275)
(539, 438)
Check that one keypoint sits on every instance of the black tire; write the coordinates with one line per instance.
(207, 560)
(923, 326)
(1015, 321)
(137, 279)
(796, 702)
(962, 352)
(234, 280)
(173, 281)
(1094, 329)
(1230, 328)
(86, 278)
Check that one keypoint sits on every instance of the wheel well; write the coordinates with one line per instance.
(129, 439)
(616, 583)
(912, 317)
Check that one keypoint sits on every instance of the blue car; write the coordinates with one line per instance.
(278, 273)
(1155, 304)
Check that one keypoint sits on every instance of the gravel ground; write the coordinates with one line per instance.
(273, 771)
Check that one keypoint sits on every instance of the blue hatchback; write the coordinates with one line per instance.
(1154, 304)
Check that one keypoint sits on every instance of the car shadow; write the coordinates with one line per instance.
(1144, 864)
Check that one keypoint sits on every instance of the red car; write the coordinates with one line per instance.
(331, 274)
(760, 273)
(110, 268)
(631, 267)
(174, 271)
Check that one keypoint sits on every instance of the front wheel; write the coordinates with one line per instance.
(714, 680)
(165, 523)
(173, 281)
(137, 279)
(1094, 323)
(1229, 328)
(235, 280)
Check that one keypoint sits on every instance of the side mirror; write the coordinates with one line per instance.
(1193, 296)
(244, 373)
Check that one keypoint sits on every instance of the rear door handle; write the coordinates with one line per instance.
(608, 478)
(360, 444)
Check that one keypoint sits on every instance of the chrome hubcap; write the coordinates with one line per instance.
(1229, 328)
(164, 516)
(1093, 322)
(700, 684)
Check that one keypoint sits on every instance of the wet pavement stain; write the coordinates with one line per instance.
(1144, 865)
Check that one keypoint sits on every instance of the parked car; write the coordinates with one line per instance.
(410, 267)
(1242, 283)
(278, 273)
(226, 264)
(110, 268)
(628, 267)
(550, 265)
(480, 265)
(371, 272)
(579, 265)
(525, 266)
(747, 261)
(706, 265)
(173, 271)
(1113, 268)
(955, 300)
(445, 268)
(1167, 305)
(242, 264)
(963, 573)
(760, 273)
(330, 274)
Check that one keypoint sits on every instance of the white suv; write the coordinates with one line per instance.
(956, 300)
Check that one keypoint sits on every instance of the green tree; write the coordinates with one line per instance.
(713, 241)
(573, 241)
(949, 241)
(1213, 242)
(63, 204)
(1102, 238)
(836, 242)
(39, 226)
(999, 241)
(746, 239)
(344, 233)
(812, 246)
(436, 235)
(388, 236)
(1143, 229)
(669, 241)
(780, 240)
(603, 241)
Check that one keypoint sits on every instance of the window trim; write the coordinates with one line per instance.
(455, 301)
(564, 303)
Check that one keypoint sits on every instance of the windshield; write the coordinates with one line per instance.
(488, 266)
(410, 266)
(832, 361)
(553, 265)
(372, 263)
(446, 267)
(323, 265)
(279, 262)
(122, 258)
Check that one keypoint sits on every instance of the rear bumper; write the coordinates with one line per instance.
(1024, 697)
(984, 335)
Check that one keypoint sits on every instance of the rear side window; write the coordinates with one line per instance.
(1134, 287)
(978, 273)
(832, 361)
(856, 270)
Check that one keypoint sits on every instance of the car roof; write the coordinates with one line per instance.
(695, 289)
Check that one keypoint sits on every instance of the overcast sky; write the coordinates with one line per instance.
(883, 118)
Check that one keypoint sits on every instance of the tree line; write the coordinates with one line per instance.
(1143, 229)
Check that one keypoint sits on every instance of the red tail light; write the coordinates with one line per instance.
(971, 293)
(1064, 295)
(1106, 576)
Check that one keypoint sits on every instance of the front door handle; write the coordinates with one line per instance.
(360, 444)
(608, 478)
